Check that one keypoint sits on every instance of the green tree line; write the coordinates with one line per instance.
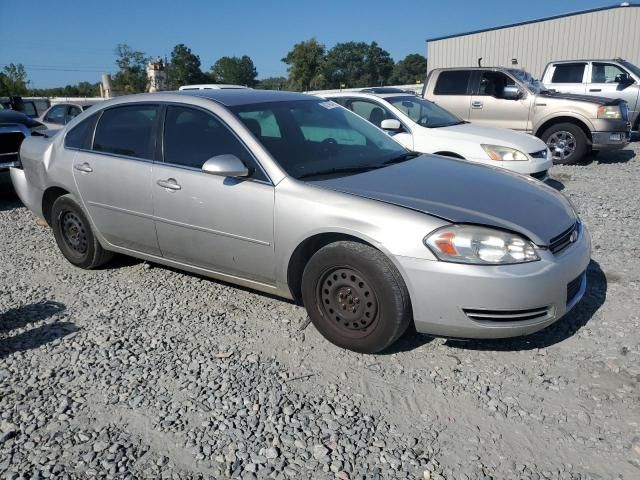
(310, 66)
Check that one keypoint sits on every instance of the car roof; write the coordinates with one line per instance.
(212, 86)
(369, 95)
(235, 97)
(80, 103)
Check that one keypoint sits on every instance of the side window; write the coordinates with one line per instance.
(191, 137)
(371, 111)
(492, 84)
(568, 73)
(453, 82)
(56, 115)
(72, 113)
(606, 73)
(262, 124)
(81, 135)
(127, 130)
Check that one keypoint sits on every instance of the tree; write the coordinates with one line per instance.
(378, 66)
(82, 89)
(13, 80)
(235, 70)
(305, 62)
(184, 68)
(132, 76)
(410, 70)
(272, 83)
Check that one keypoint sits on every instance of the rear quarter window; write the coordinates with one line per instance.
(452, 83)
(81, 135)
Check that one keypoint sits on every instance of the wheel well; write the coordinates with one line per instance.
(51, 194)
(303, 253)
(557, 120)
(450, 154)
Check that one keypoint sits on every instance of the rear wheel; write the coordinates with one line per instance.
(74, 236)
(356, 297)
(567, 142)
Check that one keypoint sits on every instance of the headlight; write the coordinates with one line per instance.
(480, 245)
(609, 111)
(504, 154)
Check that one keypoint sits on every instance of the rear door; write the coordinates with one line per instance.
(452, 91)
(491, 109)
(568, 77)
(114, 175)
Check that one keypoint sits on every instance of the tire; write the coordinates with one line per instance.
(73, 234)
(567, 142)
(356, 297)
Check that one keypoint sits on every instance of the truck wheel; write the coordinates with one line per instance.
(355, 297)
(567, 142)
(74, 236)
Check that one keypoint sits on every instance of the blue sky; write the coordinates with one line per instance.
(62, 42)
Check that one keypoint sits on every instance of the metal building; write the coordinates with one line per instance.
(607, 32)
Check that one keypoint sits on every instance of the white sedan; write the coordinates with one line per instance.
(58, 115)
(423, 126)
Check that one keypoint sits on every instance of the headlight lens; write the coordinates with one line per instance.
(609, 111)
(504, 154)
(480, 246)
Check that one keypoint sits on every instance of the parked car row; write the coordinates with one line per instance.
(300, 197)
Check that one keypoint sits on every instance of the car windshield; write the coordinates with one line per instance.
(312, 138)
(527, 79)
(630, 66)
(423, 112)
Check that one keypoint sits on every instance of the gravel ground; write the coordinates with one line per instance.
(141, 371)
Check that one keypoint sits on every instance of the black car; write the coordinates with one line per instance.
(14, 127)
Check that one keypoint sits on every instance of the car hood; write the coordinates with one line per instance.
(577, 97)
(493, 136)
(462, 192)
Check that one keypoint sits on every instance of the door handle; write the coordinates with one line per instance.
(476, 104)
(169, 184)
(595, 89)
(83, 167)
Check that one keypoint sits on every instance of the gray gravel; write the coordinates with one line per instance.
(140, 371)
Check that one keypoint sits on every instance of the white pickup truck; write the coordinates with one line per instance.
(613, 79)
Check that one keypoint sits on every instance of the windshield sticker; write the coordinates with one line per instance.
(329, 105)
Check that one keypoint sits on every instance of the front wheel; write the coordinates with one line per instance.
(356, 297)
(567, 142)
(74, 236)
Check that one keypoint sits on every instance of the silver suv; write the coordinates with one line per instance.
(571, 125)
(615, 78)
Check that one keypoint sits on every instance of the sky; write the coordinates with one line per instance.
(63, 42)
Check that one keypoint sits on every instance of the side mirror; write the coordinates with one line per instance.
(391, 125)
(225, 166)
(511, 92)
(624, 79)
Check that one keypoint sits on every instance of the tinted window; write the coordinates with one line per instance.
(80, 136)
(73, 113)
(320, 137)
(493, 83)
(606, 73)
(424, 112)
(191, 137)
(127, 131)
(370, 111)
(56, 115)
(568, 73)
(452, 83)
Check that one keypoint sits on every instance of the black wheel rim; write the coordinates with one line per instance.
(73, 232)
(348, 302)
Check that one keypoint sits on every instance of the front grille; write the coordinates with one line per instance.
(10, 146)
(539, 154)
(540, 175)
(573, 287)
(506, 315)
(566, 238)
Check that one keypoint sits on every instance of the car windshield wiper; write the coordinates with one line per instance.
(402, 158)
(330, 171)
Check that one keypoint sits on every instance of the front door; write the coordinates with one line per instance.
(114, 177)
(489, 108)
(606, 81)
(218, 223)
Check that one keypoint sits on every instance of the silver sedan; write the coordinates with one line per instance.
(298, 197)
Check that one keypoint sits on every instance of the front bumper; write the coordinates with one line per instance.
(610, 140)
(476, 301)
